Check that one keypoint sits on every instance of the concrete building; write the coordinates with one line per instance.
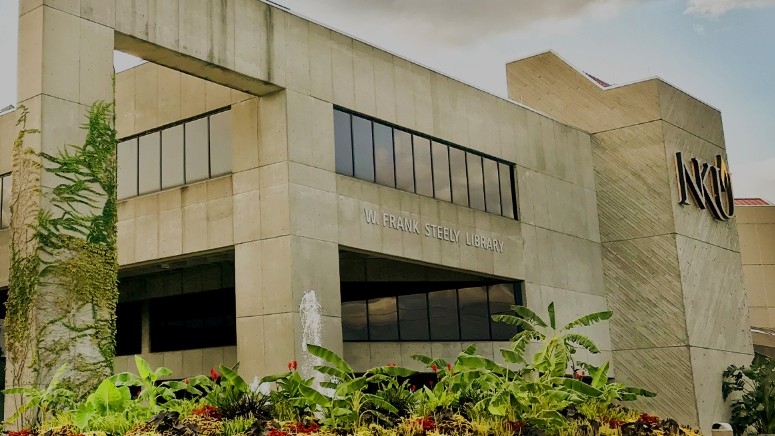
(264, 156)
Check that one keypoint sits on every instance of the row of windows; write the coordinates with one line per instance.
(184, 153)
(5, 200)
(448, 315)
(375, 152)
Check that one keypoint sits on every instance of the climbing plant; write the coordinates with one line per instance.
(63, 280)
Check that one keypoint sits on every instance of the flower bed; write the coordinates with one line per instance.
(471, 396)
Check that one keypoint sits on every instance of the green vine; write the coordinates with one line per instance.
(63, 282)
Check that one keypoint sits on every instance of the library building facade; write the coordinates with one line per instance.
(280, 182)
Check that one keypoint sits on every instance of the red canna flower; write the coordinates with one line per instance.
(295, 365)
(290, 366)
(185, 381)
(449, 367)
(414, 388)
(214, 375)
(430, 383)
(434, 367)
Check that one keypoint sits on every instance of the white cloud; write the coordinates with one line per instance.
(699, 29)
(715, 8)
(456, 22)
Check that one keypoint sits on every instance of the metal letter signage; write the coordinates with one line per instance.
(716, 195)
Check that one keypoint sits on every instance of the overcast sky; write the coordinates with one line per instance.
(720, 51)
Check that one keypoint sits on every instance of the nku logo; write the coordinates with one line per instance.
(710, 185)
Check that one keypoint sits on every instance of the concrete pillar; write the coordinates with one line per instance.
(65, 65)
(285, 214)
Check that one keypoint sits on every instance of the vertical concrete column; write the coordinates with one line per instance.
(65, 65)
(285, 232)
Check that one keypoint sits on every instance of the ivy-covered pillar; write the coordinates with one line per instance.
(62, 292)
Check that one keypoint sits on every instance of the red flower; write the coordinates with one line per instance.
(295, 365)
(214, 375)
(207, 411)
(449, 367)
(290, 366)
(185, 381)
(414, 388)
(434, 367)
(430, 383)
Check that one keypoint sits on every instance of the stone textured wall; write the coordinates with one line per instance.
(756, 225)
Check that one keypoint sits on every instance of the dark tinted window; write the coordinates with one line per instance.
(383, 319)
(413, 317)
(363, 149)
(220, 144)
(150, 164)
(126, 154)
(507, 198)
(344, 143)
(492, 190)
(443, 315)
(441, 189)
(354, 327)
(422, 166)
(189, 321)
(457, 163)
(383, 155)
(475, 181)
(129, 328)
(473, 313)
(197, 153)
(501, 298)
(404, 161)
(172, 157)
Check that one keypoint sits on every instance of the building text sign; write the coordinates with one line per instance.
(710, 185)
(430, 230)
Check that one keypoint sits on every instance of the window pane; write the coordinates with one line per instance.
(150, 164)
(6, 202)
(422, 166)
(507, 199)
(363, 149)
(354, 326)
(413, 317)
(172, 157)
(383, 319)
(492, 190)
(383, 155)
(126, 154)
(441, 188)
(197, 155)
(220, 144)
(475, 181)
(443, 313)
(501, 299)
(457, 162)
(344, 143)
(474, 319)
(404, 160)
(129, 328)
(190, 321)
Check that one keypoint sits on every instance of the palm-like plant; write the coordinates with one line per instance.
(557, 345)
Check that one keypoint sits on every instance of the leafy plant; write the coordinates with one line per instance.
(42, 402)
(151, 392)
(234, 399)
(752, 391)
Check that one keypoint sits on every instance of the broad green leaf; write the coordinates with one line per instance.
(397, 371)
(577, 386)
(83, 415)
(511, 356)
(582, 341)
(108, 397)
(588, 320)
(143, 369)
(379, 402)
(275, 377)
(161, 372)
(499, 403)
(234, 378)
(471, 349)
(422, 358)
(600, 376)
(514, 320)
(551, 315)
(24, 391)
(528, 315)
(333, 372)
(314, 396)
(351, 386)
(330, 357)
(639, 391)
